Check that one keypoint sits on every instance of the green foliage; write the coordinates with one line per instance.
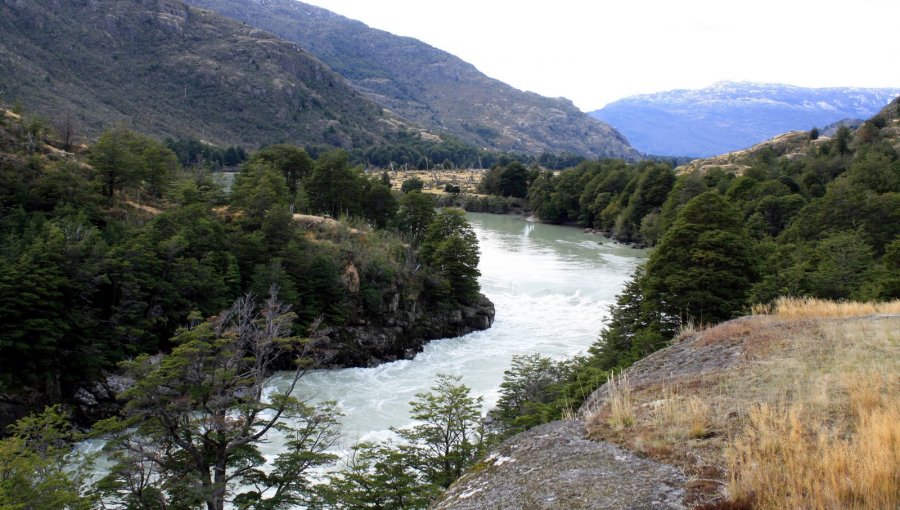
(258, 190)
(529, 386)
(293, 163)
(380, 476)
(703, 268)
(608, 195)
(451, 248)
(335, 188)
(416, 214)
(414, 184)
(430, 457)
(449, 438)
(87, 280)
(35, 472)
(193, 419)
(191, 152)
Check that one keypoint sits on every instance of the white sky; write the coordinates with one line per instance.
(596, 51)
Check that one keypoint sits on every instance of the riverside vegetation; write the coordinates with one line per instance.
(816, 218)
(124, 231)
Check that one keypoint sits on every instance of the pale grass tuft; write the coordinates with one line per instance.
(787, 457)
(811, 308)
(680, 417)
(697, 413)
(621, 409)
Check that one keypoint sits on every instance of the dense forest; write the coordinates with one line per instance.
(110, 249)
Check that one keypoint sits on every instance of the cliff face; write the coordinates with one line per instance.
(401, 332)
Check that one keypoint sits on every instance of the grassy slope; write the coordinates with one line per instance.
(795, 408)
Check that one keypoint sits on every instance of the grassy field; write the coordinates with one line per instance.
(808, 417)
(435, 180)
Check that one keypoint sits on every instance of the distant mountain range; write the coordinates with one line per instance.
(429, 86)
(167, 69)
(730, 116)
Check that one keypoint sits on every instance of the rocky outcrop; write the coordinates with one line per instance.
(555, 467)
(401, 332)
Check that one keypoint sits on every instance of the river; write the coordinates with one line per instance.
(551, 286)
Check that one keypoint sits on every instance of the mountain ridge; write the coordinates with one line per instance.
(430, 86)
(729, 116)
(168, 69)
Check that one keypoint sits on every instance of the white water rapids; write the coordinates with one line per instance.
(551, 287)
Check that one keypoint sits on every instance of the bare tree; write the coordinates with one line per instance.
(67, 129)
(194, 418)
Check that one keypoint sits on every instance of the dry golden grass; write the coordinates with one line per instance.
(466, 179)
(785, 458)
(808, 418)
(621, 410)
(811, 308)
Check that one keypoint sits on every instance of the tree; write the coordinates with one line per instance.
(293, 163)
(450, 247)
(449, 438)
(527, 385)
(193, 419)
(334, 187)
(416, 213)
(413, 184)
(379, 204)
(35, 472)
(841, 262)
(259, 189)
(115, 161)
(514, 180)
(379, 476)
(703, 267)
(124, 159)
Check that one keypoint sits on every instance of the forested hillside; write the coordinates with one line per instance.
(431, 87)
(108, 251)
(167, 69)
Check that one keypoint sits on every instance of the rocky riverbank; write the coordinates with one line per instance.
(400, 333)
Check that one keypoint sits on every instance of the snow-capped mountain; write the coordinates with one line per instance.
(729, 116)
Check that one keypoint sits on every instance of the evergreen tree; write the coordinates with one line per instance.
(702, 269)
(416, 213)
(451, 248)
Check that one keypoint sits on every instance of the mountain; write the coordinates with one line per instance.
(167, 69)
(430, 86)
(729, 116)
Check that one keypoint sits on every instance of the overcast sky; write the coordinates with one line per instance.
(596, 51)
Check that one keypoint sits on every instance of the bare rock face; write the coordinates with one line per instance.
(400, 332)
(555, 467)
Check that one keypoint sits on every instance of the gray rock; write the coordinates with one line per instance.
(555, 466)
